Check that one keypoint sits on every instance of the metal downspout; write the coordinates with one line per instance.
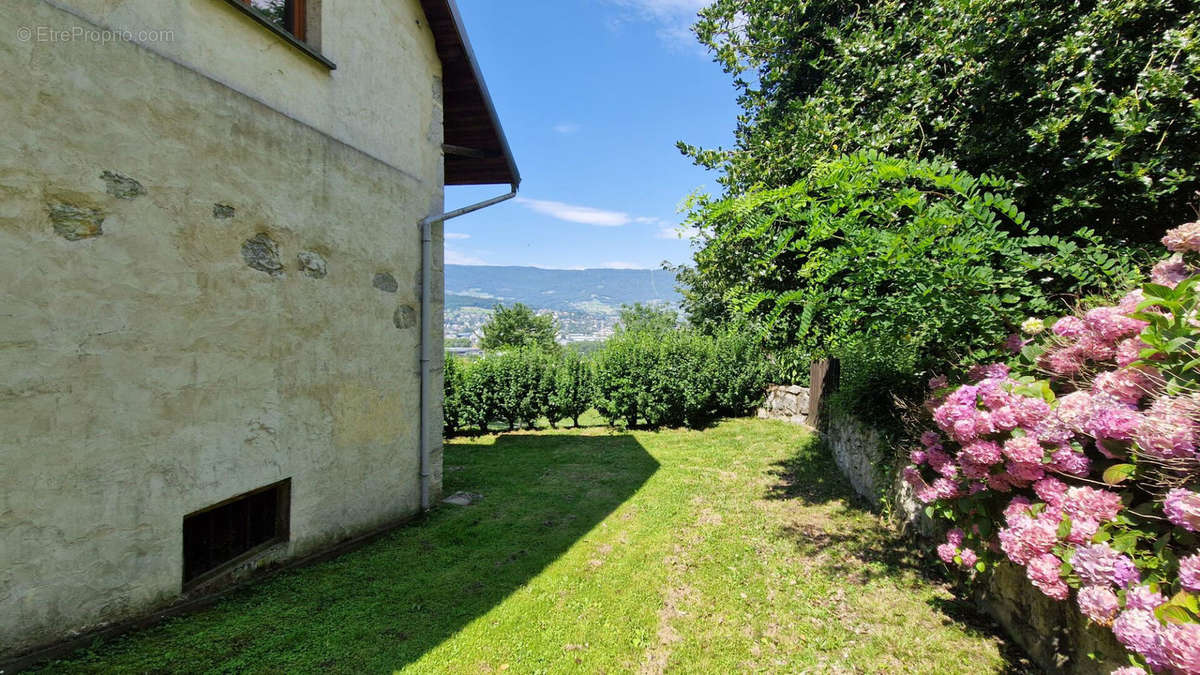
(428, 395)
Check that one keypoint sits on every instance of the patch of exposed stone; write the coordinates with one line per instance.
(223, 211)
(385, 282)
(463, 498)
(262, 253)
(405, 317)
(76, 222)
(122, 186)
(312, 265)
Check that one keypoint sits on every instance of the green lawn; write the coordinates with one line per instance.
(727, 550)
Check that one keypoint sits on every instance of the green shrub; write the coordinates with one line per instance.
(680, 391)
(479, 400)
(453, 377)
(623, 371)
(571, 390)
(740, 373)
(678, 377)
(915, 255)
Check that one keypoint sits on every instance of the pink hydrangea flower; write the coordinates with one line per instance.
(1043, 570)
(1082, 531)
(992, 393)
(1129, 351)
(1110, 324)
(955, 536)
(1030, 411)
(1128, 670)
(1189, 572)
(1069, 326)
(1098, 603)
(968, 557)
(1000, 482)
(981, 452)
(1028, 537)
(1017, 509)
(1089, 503)
(1131, 300)
(1066, 460)
(1075, 409)
(1065, 361)
(1100, 565)
(938, 381)
(1052, 430)
(1140, 630)
(1113, 420)
(946, 553)
(1052, 491)
(1127, 385)
(1004, 418)
(1186, 237)
(917, 457)
(1169, 272)
(1143, 597)
(945, 488)
(1183, 509)
(1164, 434)
(1024, 449)
(1181, 646)
(930, 439)
(1023, 473)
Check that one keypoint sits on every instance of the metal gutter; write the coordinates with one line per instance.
(428, 395)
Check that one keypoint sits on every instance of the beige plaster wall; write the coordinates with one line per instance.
(146, 371)
(378, 99)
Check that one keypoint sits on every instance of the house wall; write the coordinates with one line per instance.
(152, 360)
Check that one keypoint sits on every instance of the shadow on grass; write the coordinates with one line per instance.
(382, 607)
(854, 543)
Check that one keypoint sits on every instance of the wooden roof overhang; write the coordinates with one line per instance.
(476, 150)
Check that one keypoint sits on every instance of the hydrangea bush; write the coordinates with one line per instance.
(1078, 460)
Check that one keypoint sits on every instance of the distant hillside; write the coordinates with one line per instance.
(597, 291)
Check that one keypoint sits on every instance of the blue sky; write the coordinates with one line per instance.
(593, 95)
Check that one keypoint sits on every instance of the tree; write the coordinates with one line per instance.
(517, 327)
(639, 318)
(1088, 109)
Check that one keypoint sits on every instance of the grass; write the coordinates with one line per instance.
(732, 549)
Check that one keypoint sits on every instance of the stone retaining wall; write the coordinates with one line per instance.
(787, 402)
(1054, 634)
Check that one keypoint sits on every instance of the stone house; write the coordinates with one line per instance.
(221, 295)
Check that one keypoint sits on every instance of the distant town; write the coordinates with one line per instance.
(463, 327)
(584, 303)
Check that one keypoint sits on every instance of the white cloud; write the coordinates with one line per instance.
(571, 213)
(674, 17)
(677, 232)
(457, 235)
(647, 220)
(455, 257)
(622, 266)
(566, 128)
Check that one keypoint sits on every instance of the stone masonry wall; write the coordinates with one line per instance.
(787, 402)
(1053, 633)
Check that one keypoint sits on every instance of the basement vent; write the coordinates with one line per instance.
(222, 535)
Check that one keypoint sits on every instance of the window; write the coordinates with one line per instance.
(221, 535)
(288, 15)
(297, 22)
